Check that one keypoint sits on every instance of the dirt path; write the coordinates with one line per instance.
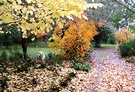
(110, 73)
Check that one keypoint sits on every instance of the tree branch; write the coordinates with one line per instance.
(125, 6)
(130, 4)
(6, 23)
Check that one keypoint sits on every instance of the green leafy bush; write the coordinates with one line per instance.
(79, 66)
(10, 36)
(13, 59)
(127, 48)
(15, 54)
(53, 59)
(3, 62)
(105, 35)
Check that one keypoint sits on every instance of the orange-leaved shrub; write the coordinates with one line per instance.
(74, 39)
(123, 36)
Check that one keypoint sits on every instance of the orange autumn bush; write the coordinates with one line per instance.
(123, 36)
(74, 39)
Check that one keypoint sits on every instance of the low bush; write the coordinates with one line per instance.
(80, 66)
(127, 48)
(53, 59)
(123, 36)
(105, 35)
(74, 40)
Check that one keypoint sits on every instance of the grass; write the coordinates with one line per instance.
(39, 44)
(42, 46)
(31, 50)
(108, 45)
(34, 51)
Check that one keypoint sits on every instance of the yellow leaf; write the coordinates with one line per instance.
(95, 5)
(19, 1)
(33, 39)
(32, 20)
(1, 31)
(31, 12)
(28, 1)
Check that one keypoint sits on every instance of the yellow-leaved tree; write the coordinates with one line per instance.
(123, 35)
(38, 16)
(74, 39)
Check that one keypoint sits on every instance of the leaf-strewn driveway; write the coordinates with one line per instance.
(110, 73)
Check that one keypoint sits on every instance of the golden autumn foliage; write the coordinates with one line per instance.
(123, 35)
(74, 39)
(37, 16)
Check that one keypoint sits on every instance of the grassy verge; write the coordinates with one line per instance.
(108, 45)
(32, 51)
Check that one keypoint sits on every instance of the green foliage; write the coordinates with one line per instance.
(53, 59)
(127, 48)
(10, 36)
(132, 28)
(116, 18)
(92, 46)
(3, 62)
(105, 36)
(4, 55)
(15, 54)
(80, 66)
(13, 58)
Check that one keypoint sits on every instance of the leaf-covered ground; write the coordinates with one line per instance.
(109, 73)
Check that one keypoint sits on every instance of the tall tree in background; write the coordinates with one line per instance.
(129, 4)
(114, 15)
(128, 17)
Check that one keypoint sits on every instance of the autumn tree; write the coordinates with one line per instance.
(74, 40)
(123, 35)
(33, 17)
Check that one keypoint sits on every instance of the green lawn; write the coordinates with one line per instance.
(108, 45)
(32, 51)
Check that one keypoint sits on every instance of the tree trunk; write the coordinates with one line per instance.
(24, 47)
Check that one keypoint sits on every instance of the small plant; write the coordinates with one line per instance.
(84, 60)
(79, 66)
(53, 59)
(3, 60)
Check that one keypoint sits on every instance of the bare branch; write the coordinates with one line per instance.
(129, 4)
(125, 6)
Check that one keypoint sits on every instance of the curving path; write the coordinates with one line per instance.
(110, 73)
